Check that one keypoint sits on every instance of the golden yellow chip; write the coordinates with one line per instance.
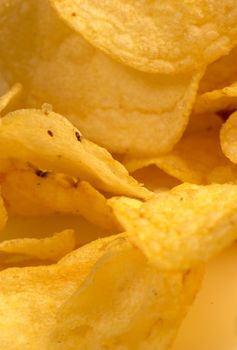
(217, 100)
(125, 303)
(88, 299)
(228, 137)
(22, 250)
(223, 174)
(182, 227)
(34, 295)
(50, 142)
(164, 36)
(9, 98)
(220, 73)
(36, 193)
(122, 77)
(194, 157)
(119, 108)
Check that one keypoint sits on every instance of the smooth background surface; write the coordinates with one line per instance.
(212, 321)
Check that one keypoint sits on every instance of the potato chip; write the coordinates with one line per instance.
(119, 108)
(202, 138)
(220, 73)
(34, 295)
(9, 98)
(182, 227)
(18, 37)
(136, 307)
(38, 227)
(23, 250)
(228, 137)
(223, 174)
(3, 214)
(217, 100)
(136, 304)
(48, 141)
(164, 36)
(33, 193)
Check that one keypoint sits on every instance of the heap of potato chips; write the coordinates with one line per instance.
(118, 131)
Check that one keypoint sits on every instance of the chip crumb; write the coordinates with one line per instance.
(47, 108)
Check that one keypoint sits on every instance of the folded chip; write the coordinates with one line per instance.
(90, 300)
(164, 36)
(181, 227)
(50, 142)
(17, 252)
(35, 193)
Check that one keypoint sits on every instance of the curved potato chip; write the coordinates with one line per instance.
(217, 100)
(182, 227)
(3, 214)
(30, 193)
(202, 138)
(164, 36)
(119, 108)
(49, 141)
(21, 250)
(9, 98)
(220, 73)
(29, 308)
(36, 293)
(136, 307)
(228, 137)
(223, 174)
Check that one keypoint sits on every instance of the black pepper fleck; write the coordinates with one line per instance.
(78, 136)
(50, 133)
(74, 14)
(41, 173)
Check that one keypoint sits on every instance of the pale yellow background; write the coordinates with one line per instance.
(212, 321)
